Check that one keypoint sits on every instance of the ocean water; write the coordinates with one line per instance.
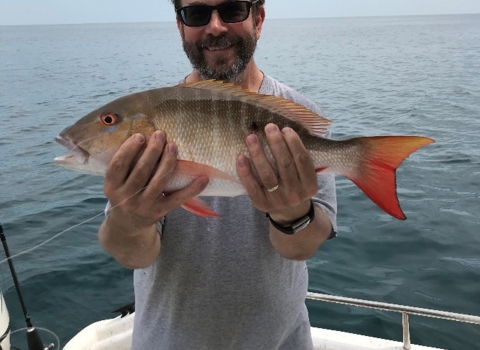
(371, 76)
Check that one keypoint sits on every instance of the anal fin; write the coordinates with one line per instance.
(200, 208)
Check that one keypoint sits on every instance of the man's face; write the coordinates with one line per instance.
(220, 50)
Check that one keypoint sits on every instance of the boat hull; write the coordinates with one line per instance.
(116, 334)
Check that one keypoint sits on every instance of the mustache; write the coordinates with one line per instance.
(217, 41)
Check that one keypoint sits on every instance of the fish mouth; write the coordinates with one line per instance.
(77, 154)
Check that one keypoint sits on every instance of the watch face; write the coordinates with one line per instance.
(301, 224)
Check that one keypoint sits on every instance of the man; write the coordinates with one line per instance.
(238, 281)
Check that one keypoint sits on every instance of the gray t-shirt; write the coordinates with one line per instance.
(218, 284)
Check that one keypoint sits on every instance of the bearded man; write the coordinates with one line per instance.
(239, 281)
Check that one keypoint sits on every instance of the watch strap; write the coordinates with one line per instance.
(296, 225)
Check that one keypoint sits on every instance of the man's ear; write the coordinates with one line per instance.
(259, 19)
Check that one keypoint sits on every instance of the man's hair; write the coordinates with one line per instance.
(255, 6)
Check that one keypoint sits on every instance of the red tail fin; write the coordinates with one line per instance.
(381, 156)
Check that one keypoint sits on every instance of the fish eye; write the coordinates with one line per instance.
(109, 119)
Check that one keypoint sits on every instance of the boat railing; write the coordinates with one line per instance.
(404, 310)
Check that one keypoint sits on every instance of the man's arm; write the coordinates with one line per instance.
(303, 244)
(134, 184)
(291, 199)
(132, 247)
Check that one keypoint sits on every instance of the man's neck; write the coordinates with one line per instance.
(250, 79)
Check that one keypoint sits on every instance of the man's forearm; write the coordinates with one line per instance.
(303, 244)
(132, 247)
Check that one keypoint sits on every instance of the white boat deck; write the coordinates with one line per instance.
(325, 339)
(116, 334)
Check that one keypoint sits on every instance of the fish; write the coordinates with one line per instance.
(209, 121)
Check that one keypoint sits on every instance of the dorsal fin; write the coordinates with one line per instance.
(314, 123)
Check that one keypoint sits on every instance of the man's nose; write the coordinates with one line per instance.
(216, 26)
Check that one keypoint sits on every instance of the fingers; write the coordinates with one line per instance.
(138, 175)
(144, 168)
(177, 198)
(119, 166)
(163, 173)
(293, 171)
(286, 166)
(247, 178)
(305, 168)
(266, 173)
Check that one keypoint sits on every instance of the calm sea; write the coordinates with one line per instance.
(371, 76)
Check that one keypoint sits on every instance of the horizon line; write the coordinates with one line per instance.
(269, 19)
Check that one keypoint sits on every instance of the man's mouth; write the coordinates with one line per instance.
(218, 48)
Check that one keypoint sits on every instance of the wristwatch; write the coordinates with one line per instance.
(298, 224)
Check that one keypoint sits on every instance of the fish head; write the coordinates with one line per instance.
(94, 139)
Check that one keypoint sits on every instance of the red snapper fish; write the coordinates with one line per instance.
(209, 122)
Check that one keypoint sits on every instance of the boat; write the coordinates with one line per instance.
(116, 333)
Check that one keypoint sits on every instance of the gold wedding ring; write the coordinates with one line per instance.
(273, 189)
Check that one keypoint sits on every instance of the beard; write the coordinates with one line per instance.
(221, 68)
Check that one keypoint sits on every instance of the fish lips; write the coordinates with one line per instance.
(77, 154)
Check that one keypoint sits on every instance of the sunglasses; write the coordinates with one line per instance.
(229, 12)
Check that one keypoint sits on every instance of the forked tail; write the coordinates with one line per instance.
(375, 173)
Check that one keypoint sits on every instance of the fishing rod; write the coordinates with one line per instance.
(34, 340)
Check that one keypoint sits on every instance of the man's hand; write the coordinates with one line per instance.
(286, 196)
(136, 188)
(135, 181)
(296, 179)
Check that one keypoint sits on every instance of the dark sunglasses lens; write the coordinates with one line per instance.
(196, 16)
(230, 12)
(236, 11)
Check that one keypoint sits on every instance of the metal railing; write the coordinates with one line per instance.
(404, 310)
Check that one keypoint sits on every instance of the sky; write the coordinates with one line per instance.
(107, 11)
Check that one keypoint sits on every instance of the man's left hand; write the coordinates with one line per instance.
(285, 191)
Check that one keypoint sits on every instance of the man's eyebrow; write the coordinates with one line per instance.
(196, 3)
(202, 3)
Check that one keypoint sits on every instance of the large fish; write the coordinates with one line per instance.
(209, 122)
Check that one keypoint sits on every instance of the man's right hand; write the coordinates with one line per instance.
(136, 179)
(136, 188)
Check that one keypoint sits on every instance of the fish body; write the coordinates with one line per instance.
(209, 121)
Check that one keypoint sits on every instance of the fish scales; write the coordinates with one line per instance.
(203, 123)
